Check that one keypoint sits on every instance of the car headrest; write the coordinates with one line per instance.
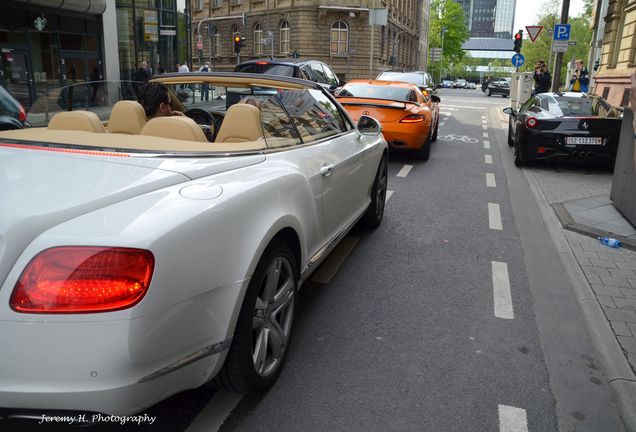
(76, 120)
(242, 123)
(175, 127)
(127, 117)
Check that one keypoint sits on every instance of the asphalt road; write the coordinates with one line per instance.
(453, 315)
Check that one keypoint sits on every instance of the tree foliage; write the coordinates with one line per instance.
(579, 32)
(447, 22)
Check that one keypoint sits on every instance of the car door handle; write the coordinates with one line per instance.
(326, 170)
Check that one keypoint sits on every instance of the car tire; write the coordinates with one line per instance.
(375, 212)
(511, 141)
(424, 153)
(277, 273)
(434, 137)
(519, 162)
(487, 92)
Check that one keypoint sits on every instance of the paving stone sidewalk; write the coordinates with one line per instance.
(610, 272)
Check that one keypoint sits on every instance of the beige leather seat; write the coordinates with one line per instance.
(242, 123)
(127, 117)
(175, 127)
(76, 120)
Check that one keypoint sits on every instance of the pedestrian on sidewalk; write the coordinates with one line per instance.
(580, 81)
(542, 78)
(205, 87)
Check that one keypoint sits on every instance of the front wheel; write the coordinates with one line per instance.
(519, 162)
(264, 327)
(373, 216)
(511, 141)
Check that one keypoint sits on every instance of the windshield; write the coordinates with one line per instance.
(384, 92)
(413, 78)
(580, 107)
(266, 68)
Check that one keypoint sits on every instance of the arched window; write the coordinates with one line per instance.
(339, 38)
(258, 39)
(284, 37)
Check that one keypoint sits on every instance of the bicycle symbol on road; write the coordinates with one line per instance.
(462, 138)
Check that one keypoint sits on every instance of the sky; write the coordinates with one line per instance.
(526, 12)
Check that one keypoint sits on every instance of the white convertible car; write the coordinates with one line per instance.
(142, 258)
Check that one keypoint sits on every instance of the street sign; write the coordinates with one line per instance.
(436, 54)
(560, 46)
(533, 32)
(562, 32)
(572, 43)
(518, 60)
(199, 43)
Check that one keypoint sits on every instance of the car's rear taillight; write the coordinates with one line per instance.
(83, 279)
(532, 122)
(21, 113)
(413, 118)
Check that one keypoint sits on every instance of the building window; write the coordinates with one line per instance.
(217, 3)
(198, 5)
(258, 39)
(339, 38)
(625, 100)
(284, 37)
(217, 43)
(235, 2)
(606, 91)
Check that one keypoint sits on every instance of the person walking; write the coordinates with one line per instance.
(580, 81)
(144, 72)
(542, 78)
(205, 87)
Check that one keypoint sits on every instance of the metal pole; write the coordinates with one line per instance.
(371, 13)
(556, 75)
(441, 59)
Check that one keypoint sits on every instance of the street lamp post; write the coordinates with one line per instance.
(441, 60)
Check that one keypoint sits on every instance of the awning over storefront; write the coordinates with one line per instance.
(96, 7)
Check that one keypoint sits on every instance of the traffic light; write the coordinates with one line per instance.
(239, 42)
(518, 41)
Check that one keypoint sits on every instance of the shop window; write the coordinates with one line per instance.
(71, 41)
(91, 43)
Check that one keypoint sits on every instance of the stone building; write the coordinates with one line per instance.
(618, 50)
(336, 32)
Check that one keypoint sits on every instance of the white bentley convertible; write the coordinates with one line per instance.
(140, 258)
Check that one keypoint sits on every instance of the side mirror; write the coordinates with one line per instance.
(435, 98)
(510, 111)
(368, 126)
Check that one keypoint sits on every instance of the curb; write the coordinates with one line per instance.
(569, 224)
(619, 374)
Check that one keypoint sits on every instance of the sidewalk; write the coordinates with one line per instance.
(604, 278)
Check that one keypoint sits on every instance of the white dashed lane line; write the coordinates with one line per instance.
(485, 134)
(486, 144)
(490, 180)
(404, 171)
(388, 195)
(494, 217)
(484, 127)
(442, 123)
(334, 261)
(212, 416)
(488, 159)
(512, 419)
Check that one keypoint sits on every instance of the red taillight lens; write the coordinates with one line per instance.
(532, 122)
(541, 150)
(83, 279)
(21, 113)
(413, 118)
(262, 63)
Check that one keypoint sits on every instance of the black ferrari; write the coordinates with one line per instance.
(563, 125)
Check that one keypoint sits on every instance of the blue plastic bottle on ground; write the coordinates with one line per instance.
(611, 242)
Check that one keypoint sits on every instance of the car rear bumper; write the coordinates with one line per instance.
(543, 146)
(402, 136)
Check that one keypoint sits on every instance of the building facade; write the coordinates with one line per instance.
(336, 32)
(489, 18)
(617, 52)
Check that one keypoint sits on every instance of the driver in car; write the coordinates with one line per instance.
(155, 99)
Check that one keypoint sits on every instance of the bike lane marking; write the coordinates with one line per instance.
(213, 415)
(512, 419)
(490, 180)
(494, 217)
(404, 171)
(388, 195)
(488, 159)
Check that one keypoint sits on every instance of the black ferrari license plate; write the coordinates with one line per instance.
(583, 141)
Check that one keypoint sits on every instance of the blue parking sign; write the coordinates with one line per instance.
(562, 32)
(518, 60)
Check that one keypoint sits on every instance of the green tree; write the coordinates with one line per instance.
(579, 33)
(447, 22)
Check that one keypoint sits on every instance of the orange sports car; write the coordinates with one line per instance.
(409, 117)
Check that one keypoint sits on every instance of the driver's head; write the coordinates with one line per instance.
(155, 99)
